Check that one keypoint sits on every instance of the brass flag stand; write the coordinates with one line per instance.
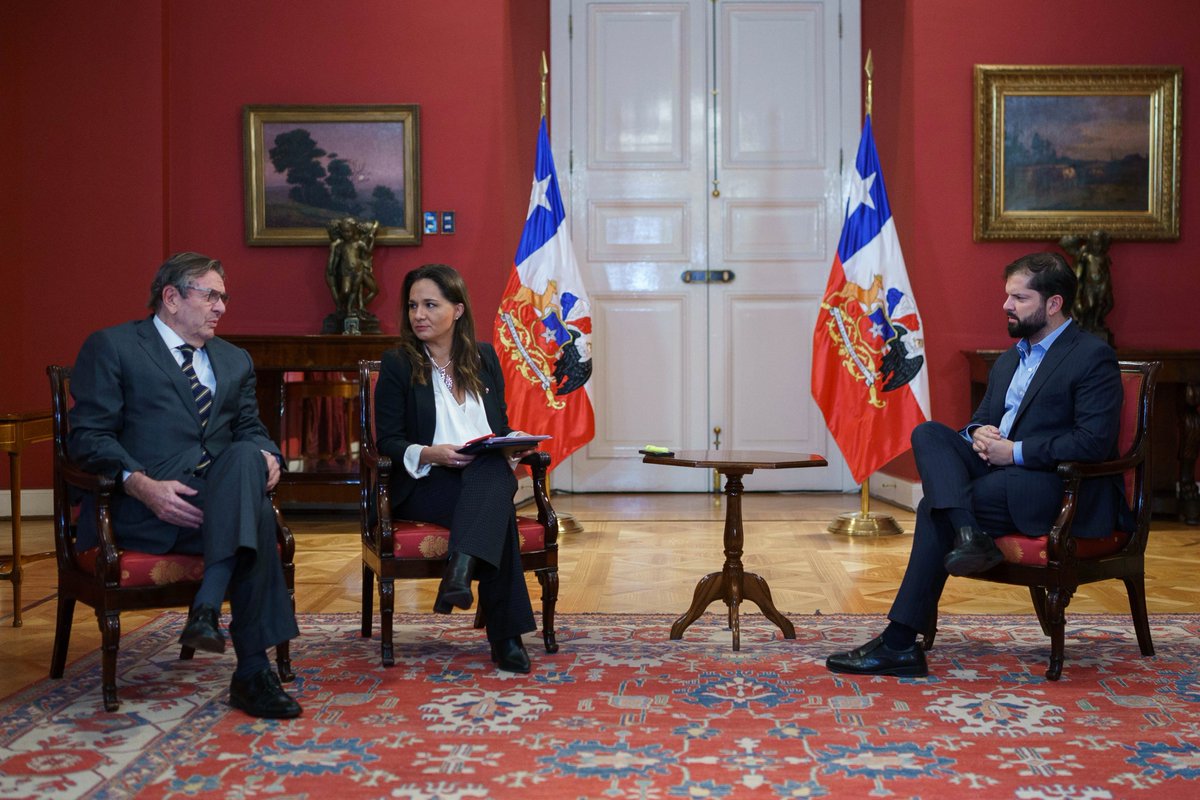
(864, 523)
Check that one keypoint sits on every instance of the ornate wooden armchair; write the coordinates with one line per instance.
(393, 549)
(111, 579)
(1055, 565)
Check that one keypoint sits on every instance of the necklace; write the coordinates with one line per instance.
(443, 370)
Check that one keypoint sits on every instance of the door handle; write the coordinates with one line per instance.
(708, 276)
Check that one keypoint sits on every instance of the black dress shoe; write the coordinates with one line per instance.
(510, 656)
(455, 588)
(203, 630)
(262, 695)
(974, 551)
(876, 658)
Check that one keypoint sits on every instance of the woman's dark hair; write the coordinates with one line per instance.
(463, 351)
(1049, 275)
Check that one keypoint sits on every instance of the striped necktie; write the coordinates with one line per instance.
(200, 393)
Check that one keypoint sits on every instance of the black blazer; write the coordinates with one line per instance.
(134, 411)
(1071, 412)
(405, 413)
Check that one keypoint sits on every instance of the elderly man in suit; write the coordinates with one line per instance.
(1054, 396)
(171, 410)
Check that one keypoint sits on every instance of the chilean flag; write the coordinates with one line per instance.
(543, 329)
(869, 374)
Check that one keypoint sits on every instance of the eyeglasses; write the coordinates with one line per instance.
(210, 296)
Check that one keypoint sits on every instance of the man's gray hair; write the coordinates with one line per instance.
(179, 271)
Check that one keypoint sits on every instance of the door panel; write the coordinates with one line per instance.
(702, 137)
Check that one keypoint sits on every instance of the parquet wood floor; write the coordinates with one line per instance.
(638, 553)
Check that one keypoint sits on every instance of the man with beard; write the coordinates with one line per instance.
(1054, 396)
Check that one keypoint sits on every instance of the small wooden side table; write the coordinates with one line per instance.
(16, 431)
(733, 583)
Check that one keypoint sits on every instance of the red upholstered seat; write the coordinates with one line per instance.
(146, 569)
(426, 540)
(1031, 551)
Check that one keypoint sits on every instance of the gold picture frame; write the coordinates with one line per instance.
(1065, 149)
(306, 165)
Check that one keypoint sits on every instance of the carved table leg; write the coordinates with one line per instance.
(733, 584)
(710, 589)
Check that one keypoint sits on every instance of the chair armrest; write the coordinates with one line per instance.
(1078, 470)
(283, 534)
(1060, 541)
(375, 514)
(88, 481)
(539, 464)
(102, 488)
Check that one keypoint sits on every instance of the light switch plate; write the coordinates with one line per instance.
(431, 222)
(447, 222)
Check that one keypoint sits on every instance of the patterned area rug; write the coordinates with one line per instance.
(622, 712)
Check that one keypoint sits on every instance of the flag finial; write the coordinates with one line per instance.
(545, 74)
(870, 70)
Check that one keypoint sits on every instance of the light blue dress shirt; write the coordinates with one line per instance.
(1031, 359)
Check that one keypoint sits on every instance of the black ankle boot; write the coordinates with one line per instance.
(510, 655)
(455, 588)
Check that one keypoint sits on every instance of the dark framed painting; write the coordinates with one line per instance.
(307, 165)
(1069, 149)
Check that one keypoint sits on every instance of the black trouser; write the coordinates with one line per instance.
(476, 504)
(953, 476)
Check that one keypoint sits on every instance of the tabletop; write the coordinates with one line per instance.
(738, 459)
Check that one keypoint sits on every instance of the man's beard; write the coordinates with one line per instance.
(1024, 328)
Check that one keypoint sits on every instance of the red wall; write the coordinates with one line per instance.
(924, 54)
(121, 123)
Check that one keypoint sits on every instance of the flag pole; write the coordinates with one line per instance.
(863, 522)
(545, 75)
(566, 522)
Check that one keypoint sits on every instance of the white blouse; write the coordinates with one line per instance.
(455, 424)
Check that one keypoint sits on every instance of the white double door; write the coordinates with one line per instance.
(699, 148)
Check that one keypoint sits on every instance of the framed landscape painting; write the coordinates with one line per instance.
(1064, 150)
(307, 165)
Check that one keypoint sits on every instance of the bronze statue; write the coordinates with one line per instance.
(1093, 268)
(350, 276)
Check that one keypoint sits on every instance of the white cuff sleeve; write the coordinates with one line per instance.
(412, 461)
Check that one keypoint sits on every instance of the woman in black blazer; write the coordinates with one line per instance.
(437, 390)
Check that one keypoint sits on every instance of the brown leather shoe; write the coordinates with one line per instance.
(974, 551)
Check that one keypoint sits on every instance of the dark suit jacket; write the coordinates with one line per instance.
(405, 413)
(134, 411)
(1070, 412)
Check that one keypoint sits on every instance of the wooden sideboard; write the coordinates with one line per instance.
(1175, 436)
(332, 481)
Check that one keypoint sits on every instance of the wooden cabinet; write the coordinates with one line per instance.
(321, 367)
(1176, 425)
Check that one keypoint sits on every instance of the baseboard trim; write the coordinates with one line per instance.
(34, 503)
(40, 502)
(897, 491)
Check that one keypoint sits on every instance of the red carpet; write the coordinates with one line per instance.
(622, 712)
